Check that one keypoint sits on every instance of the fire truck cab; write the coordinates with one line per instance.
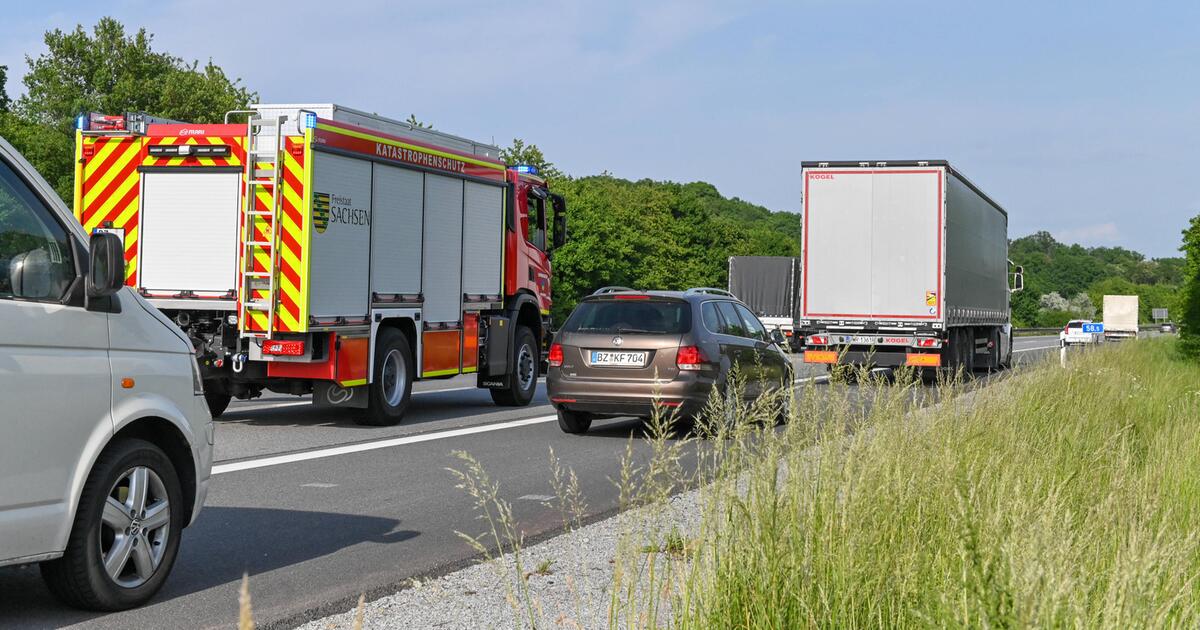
(317, 249)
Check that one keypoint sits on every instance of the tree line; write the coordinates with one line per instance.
(644, 234)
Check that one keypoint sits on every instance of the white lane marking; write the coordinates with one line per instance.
(290, 458)
(536, 497)
(318, 485)
(1032, 349)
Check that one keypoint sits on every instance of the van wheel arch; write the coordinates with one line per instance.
(166, 436)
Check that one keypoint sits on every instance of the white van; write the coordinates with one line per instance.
(105, 438)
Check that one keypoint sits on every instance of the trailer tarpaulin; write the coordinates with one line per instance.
(767, 284)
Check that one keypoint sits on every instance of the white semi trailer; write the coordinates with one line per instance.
(1120, 317)
(904, 263)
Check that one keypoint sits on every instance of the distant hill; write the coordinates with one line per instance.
(651, 234)
(1063, 281)
(658, 235)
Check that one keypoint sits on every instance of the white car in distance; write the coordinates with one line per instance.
(1072, 334)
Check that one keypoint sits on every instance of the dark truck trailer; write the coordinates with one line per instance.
(770, 286)
(903, 263)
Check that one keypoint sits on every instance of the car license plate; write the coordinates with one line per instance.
(618, 359)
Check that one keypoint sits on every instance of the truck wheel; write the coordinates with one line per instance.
(217, 403)
(391, 391)
(126, 532)
(523, 380)
(574, 422)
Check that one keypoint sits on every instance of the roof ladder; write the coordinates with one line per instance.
(259, 287)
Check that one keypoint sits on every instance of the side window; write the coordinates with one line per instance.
(755, 327)
(536, 209)
(36, 262)
(733, 324)
(712, 321)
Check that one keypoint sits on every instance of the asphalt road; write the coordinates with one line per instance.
(317, 509)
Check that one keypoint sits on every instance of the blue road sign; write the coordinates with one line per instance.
(1093, 328)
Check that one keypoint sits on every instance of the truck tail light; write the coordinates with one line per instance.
(286, 348)
(927, 342)
(690, 358)
(556, 355)
(818, 340)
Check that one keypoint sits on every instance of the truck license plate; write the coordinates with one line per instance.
(618, 359)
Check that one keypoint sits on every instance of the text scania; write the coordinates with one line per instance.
(401, 154)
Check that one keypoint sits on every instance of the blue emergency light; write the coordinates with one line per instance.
(81, 122)
(310, 120)
(526, 168)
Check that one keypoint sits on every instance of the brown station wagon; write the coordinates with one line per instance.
(621, 350)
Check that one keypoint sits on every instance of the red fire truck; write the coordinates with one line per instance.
(318, 249)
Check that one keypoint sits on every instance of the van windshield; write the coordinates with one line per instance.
(631, 317)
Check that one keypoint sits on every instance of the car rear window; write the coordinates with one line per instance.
(649, 317)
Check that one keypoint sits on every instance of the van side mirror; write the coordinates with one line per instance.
(560, 220)
(106, 273)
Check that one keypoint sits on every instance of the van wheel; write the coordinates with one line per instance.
(125, 536)
(574, 421)
(217, 403)
(391, 391)
(523, 380)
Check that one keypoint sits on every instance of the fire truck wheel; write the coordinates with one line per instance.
(391, 390)
(525, 371)
(217, 402)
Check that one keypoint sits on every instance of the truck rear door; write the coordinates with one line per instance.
(873, 243)
(189, 231)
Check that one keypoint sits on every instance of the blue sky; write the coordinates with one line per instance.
(1081, 118)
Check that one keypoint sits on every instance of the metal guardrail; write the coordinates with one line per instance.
(1056, 330)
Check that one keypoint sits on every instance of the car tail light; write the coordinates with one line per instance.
(556, 355)
(690, 358)
(1066, 328)
(283, 348)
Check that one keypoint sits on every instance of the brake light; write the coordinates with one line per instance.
(631, 297)
(690, 358)
(556, 355)
(283, 348)
(1065, 328)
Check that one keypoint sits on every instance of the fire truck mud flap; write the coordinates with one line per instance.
(330, 394)
(496, 347)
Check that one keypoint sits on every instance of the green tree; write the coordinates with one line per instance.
(529, 154)
(412, 120)
(108, 70)
(1189, 300)
(5, 101)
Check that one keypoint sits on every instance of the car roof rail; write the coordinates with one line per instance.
(612, 289)
(710, 291)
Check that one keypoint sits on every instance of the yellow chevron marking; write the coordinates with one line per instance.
(111, 174)
(108, 206)
(124, 217)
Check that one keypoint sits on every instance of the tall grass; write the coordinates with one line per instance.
(1063, 497)
(1060, 497)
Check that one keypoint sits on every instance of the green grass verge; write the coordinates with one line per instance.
(1059, 498)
